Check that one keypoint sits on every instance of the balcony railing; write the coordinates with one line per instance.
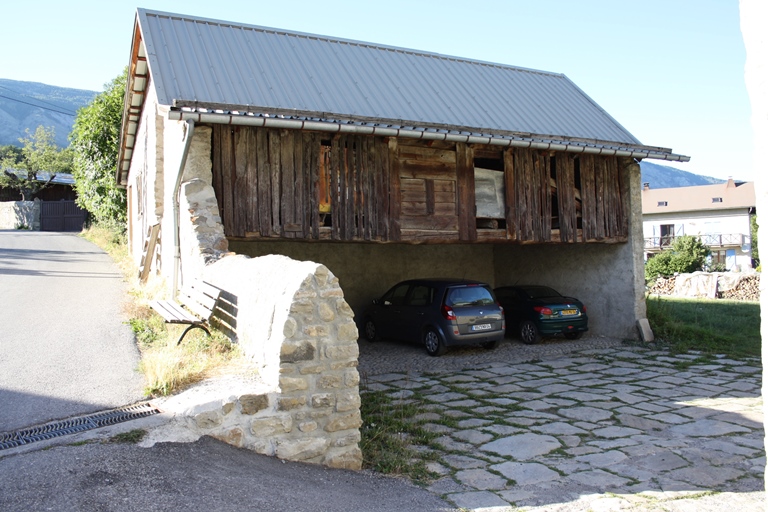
(710, 240)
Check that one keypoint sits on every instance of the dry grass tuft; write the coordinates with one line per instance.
(169, 367)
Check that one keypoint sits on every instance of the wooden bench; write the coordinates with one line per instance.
(194, 306)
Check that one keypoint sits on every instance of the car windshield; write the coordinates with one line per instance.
(538, 292)
(469, 296)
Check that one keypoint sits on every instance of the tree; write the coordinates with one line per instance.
(95, 139)
(33, 167)
(11, 153)
(753, 232)
(688, 254)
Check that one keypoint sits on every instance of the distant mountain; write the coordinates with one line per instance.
(27, 105)
(664, 176)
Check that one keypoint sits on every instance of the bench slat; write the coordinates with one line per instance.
(206, 289)
(189, 296)
(193, 306)
(173, 313)
(199, 309)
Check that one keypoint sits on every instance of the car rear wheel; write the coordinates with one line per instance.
(529, 333)
(433, 343)
(573, 335)
(371, 333)
(490, 345)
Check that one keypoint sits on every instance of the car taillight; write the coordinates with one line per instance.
(583, 308)
(543, 310)
(447, 312)
(501, 308)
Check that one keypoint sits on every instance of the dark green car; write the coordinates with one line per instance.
(535, 311)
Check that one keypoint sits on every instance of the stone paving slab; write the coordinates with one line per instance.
(577, 426)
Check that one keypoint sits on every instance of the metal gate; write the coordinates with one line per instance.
(61, 216)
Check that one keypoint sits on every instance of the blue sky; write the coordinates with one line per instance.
(670, 71)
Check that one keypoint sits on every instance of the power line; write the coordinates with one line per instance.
(35, 99)
(72, 114)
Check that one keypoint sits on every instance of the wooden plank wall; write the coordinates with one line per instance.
(428, 184)
(566, 198)
(603, 216)
(531, 219)
(269, 184)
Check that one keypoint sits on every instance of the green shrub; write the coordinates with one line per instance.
(147, 330)
(688, 254)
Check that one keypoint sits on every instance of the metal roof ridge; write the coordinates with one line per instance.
(366, 44)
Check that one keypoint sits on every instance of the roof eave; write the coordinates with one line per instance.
(250, 115)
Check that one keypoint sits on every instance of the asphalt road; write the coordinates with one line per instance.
(64, 347)
(205, 475)
(65, 351)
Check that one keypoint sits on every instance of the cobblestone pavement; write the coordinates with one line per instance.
(593, 425)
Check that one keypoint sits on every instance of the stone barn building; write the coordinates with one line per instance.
(379, 163)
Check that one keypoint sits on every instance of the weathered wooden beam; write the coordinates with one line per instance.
(394, 190)
(566, 197)
(336, 163)
(510, 197)
(227, 202)
(313, 156)
(252, 171)
(240, 188)
(465, 186)
(384, 193)
(545, 197)
(265, 182)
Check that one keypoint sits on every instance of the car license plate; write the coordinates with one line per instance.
(481, 327)
(569, 312)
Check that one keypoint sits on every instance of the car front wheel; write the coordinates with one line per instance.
(529, 333)
(433, 343)
(371, 333)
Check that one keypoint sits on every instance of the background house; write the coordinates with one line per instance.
(719, 214)
(50, 209)
(381, 163)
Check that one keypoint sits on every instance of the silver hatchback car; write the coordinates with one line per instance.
(437, 312)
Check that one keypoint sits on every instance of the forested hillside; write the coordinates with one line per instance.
(27, 105)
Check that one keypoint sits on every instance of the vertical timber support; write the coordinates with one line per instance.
(633, 211)
(394, 191)
(465, 173)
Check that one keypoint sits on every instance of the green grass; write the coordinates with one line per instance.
(709, 326)
(388, 433)
(132, 437)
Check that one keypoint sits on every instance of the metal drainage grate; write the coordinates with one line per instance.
(74, 425)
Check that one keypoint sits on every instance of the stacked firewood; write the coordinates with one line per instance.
(663, 286)
(748, 289)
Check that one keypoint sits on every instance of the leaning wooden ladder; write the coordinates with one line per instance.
(148, 252)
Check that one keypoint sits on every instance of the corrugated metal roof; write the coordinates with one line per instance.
(215, 62)
(204, 65)
(60, 178)
(721, 196)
